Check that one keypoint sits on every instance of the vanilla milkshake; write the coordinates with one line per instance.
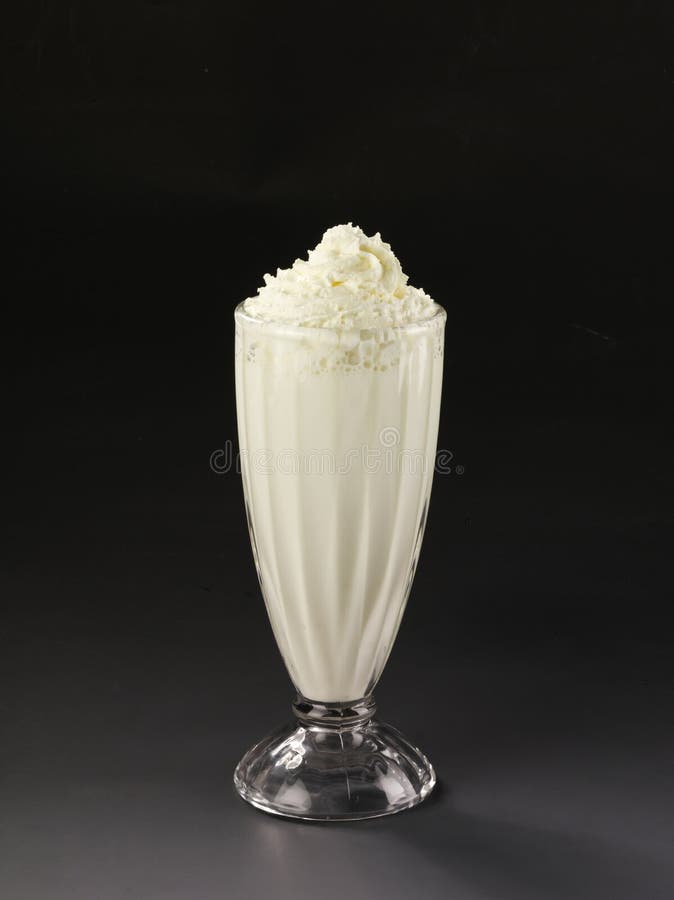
(338, 380)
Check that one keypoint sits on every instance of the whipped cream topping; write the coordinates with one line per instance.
(349, 281)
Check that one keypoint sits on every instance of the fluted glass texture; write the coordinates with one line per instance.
(337, 434)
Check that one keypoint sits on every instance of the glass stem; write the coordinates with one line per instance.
(334, 715)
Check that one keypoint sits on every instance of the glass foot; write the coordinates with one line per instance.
(335, 762)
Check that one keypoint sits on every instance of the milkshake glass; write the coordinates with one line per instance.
(337, 433)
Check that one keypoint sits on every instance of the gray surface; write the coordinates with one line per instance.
(555, 776)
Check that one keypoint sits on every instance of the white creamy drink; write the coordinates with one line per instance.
(338, 379)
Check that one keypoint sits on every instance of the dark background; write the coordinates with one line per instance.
(159, 158)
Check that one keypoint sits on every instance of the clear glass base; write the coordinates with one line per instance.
(335, 762)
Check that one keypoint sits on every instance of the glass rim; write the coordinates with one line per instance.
(292, 328)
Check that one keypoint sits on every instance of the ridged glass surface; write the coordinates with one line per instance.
(338, 450)
(337, 434)
(314, 770)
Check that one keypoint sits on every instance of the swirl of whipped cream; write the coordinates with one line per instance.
(349, 281)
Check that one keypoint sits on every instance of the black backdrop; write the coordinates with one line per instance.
(159, 158)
